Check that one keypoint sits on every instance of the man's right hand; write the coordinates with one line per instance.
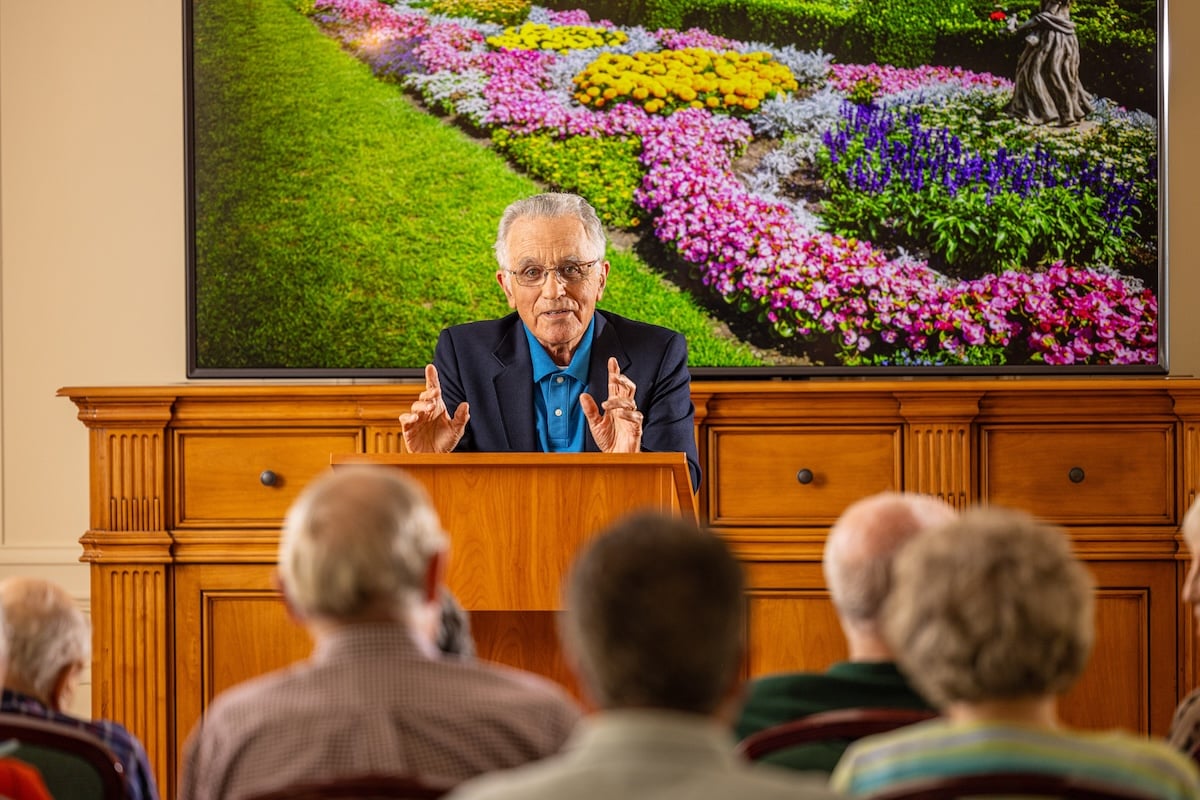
(428, 426)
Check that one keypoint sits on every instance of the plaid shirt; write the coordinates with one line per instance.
(124, 745)
(369, 700)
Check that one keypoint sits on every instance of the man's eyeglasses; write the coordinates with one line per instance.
(569, 273)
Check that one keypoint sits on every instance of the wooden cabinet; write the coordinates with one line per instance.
(189, 485)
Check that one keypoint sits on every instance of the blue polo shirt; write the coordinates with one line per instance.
(560, 420)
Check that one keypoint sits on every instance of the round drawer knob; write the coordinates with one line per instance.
(1076, 475)
(805, 476)
(268, 478)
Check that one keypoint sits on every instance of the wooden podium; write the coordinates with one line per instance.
(516, 521)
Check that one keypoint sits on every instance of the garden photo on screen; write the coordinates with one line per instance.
(810, 184)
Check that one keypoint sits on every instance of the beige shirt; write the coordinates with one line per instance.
(636, 754)
(370, 701)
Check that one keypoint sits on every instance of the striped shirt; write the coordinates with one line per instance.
(940, 748)
(369, 700)
(1185, 726)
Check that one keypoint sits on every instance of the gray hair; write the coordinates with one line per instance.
(992, 606)
(357, 540)
(654, 616)
(45, 632)
(864, 541)
(550, 205)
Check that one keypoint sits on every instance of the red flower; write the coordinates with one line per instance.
(998, 16)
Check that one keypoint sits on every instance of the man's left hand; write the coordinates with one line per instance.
(619, 428)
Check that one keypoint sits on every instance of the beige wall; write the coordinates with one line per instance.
(92, 240)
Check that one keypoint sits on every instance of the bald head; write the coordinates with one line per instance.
(862, 543)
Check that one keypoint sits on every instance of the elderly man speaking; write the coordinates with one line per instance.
(556, 375)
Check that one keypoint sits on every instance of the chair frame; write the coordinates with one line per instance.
(360, 787)
(77, 742)
(840, 723)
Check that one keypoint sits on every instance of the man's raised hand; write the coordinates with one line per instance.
(428, 426)
(619, 428)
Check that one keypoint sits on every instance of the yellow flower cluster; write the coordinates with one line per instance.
(675, 79)
(487, 10)
(535, 36)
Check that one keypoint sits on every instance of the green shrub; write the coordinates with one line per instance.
(805, 24)
(897, 32)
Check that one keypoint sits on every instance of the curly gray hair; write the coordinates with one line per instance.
(992, 606)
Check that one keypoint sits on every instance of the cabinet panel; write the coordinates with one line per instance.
(1130, 681)
(1082, 474)
(222, 476)
(797, 476)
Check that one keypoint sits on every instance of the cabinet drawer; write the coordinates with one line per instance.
(797, 476)
(221, 476)
(1082, 474)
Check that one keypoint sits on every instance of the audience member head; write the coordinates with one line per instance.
(990, 608)
(1191, 537)
(361, 544)
(654, 617)
(48, 640)
(858, 559)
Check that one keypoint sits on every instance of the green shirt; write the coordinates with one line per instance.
(775, 699)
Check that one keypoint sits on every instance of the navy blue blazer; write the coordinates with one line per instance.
(487, 364)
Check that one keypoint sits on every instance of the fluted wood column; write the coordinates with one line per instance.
(937, 444)
(381, 418)
(129, 549)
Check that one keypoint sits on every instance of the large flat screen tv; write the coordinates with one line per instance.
(833, 187)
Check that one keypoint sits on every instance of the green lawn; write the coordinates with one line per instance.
(340, 227)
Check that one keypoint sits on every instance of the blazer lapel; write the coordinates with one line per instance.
(513, 384)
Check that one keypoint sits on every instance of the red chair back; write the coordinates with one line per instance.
(74, 764)
(841, 723)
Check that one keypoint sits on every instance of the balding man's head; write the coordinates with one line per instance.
(862, 543)
(358, 543)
